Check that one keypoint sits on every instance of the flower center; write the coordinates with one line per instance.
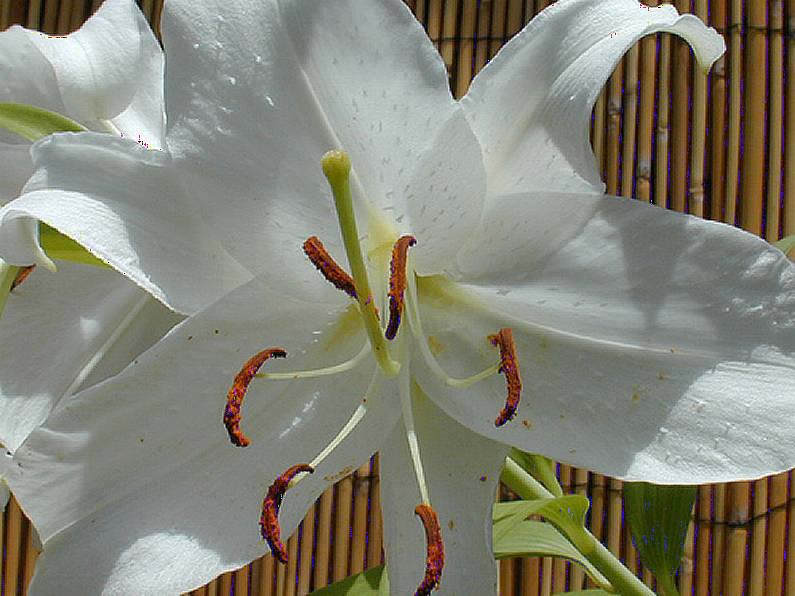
(402, 297)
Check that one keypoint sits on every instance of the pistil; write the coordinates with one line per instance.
(237, 392)
(336, 167)
(269, 518)
(397, 283)
(509, 366)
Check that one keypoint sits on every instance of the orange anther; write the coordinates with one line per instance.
(234, 398)
(434, 559)
(324, 263)
(269, 518)
(509, 366)
(397, 283)
(22, 275)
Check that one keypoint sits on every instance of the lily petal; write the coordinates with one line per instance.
(17, 168)
(110, 69)
(646, 342)
(123, 203)
(251, 112)
(530, 107)
(120, 483)
(463, 471)
(66, 331)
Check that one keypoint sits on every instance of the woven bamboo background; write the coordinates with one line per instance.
(662, 132)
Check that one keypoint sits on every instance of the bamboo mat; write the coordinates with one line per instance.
(662, 132)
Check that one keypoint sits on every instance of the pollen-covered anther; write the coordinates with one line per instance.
(234, 398)
(330, 269)
(22, 275)
(397, 283)
(434, 558)
(269, 518)
(509, 366)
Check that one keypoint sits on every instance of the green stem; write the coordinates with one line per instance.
(8, 273)
(621, 578)
(337, 168)
(667, 585)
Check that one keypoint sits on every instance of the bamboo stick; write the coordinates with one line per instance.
(775, 121)
(756, 577)
(34, 13)
(482, 43)
(698, 131)
(322, 552)
(614, 113)
(530, 572)
(359, 531)
(597, 520)
(497, 33)
(615, 517)
(718, 537)
(577, 575)
(790, 564)
(776, 535)
(466, 47)
(663, 111)
(225, 584)
(434, 23)
(3, 524)
(718, 120)
(420, 11)
(266, 586)
(292, 564)
(546, 576)
(13, 545)
(739, 500)
(688, 562)
(78, 15)
(703, 512)
(95, 5)
(507, 578)
(513, 19)
(255, 580)
(598, 132)
(342, 528)
(631, 554)
(281, 578)
(448, 45)
(629, 125)
(240, 578)
(648, 61)
(50, 17)
(32, 551)
(680, 75)
(735, 98)
(789, 137)
(5, 15)
(755, 86)
(157, 13)
(147, 6)
(64, 16)
(212, 588)
(375, 539)
(307, 548)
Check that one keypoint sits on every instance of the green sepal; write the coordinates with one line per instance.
(372, 582)
(539, 467)
(532, 538)
(58, 246)
(785, 245)
(33, 123)
(658, 517)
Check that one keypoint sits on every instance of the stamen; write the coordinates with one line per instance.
(324, 263)
(269, 518)
(397, 283)
(509, 366)
(234, 398)
(22, 275)
(434, 559)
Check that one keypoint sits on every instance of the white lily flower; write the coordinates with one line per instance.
(644, 338)
(62, 332)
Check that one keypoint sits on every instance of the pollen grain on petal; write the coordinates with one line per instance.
(323, 261)
(269, 518)
(397, 283)
(434, 559)
(22, 275)
(236, 393)
(509, 366)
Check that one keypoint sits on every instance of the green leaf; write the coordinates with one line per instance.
(595, 592)
(539, 467)
(658, 517)
(785, 245)
(535, 538)
(566, 512)
(58, 246)
(33, 123)
(372, 581)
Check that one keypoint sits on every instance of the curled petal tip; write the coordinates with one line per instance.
(269, 518)
(434, 559)
(237, 392)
